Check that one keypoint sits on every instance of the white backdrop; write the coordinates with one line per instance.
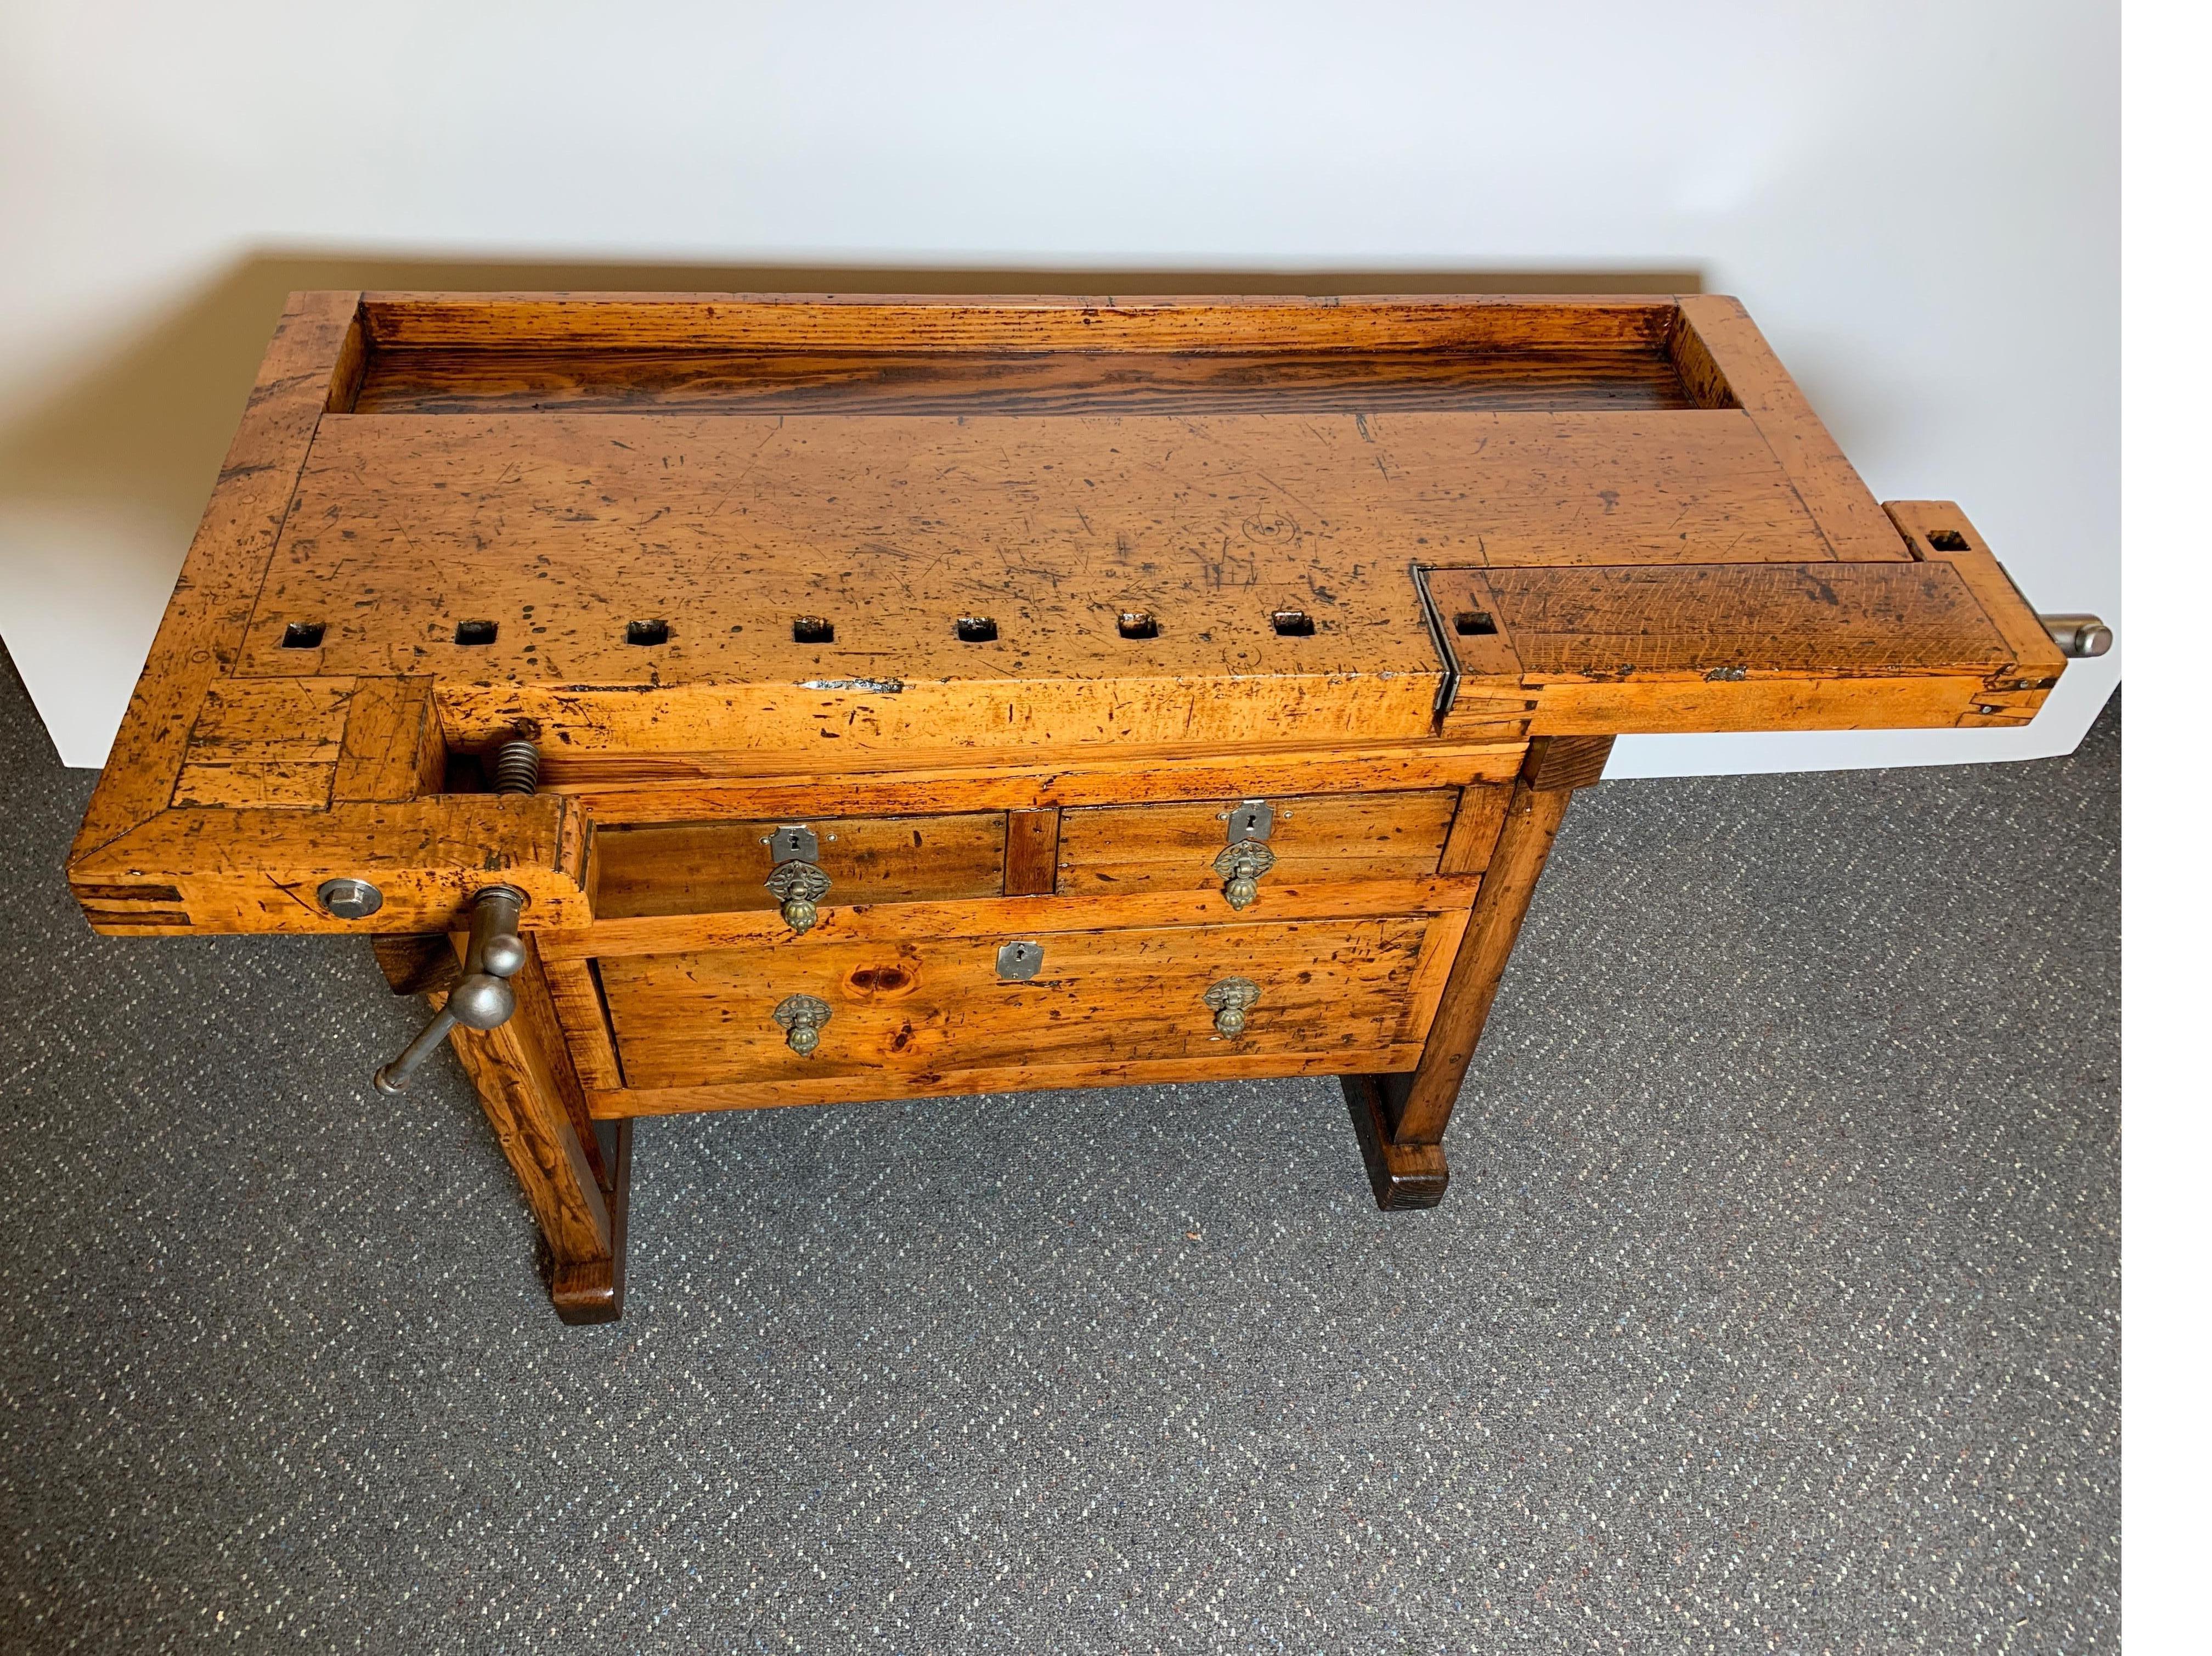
(1919, 202)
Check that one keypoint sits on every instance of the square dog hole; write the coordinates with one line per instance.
(1947, 540)
(1474, 624)
(812, 629)
(976, 629)
(647, 632)
(303, 635)
(1292, 623)
(1137, 624)
(476, 632)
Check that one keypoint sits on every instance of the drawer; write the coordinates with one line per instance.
(913, 1009)
(712, 867)
(1319, 838)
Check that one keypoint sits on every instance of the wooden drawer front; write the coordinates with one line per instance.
(1317, 839)
(922, 1007)
(712, 867)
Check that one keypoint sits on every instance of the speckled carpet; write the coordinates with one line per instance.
(1774, 1307)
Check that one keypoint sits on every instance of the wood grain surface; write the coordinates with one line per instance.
(208, 614)
(1010, 599)
(431, 381)
(1419, 1104)
(819, 1088)
(1017, 324)
(709, 866)
(256, 869)
(678, 786)
(1102, 997)
(456, 579)
(1724, 357)
(1318, 839)
(539, 1113)
(1941, 534)
(1002, 918)
(563, 529)
(1032, 852)
(1600, 651)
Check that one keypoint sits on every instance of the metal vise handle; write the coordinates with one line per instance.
(483, 999)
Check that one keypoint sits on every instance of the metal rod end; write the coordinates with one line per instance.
(2078, 636)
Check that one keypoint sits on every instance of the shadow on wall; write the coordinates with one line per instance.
(151, 425)
(103, 480)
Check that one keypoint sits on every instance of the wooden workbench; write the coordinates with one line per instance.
(742, 701)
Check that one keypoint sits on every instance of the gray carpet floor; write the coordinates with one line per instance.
(1774, 1307)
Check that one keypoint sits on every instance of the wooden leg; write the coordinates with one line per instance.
(592, 1292)
(1401, 1118)
(530, 1096)
(1401, 1176)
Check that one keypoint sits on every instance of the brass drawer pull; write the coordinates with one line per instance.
(1240, 866)
(801, 1017)
(1231, 999)
(798, 886)
(796, 882)
(1246, 857)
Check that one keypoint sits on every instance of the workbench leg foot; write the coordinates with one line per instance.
(1401, 1175)
(592, 1291)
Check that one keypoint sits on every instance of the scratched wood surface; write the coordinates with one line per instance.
(1890, 619)
(831, 1088)
(1596, 651)
(255, 743)
(696, 1020)
(897, 923)
(630, 787)
(1110, 596)
(1130, 382)
(562, 530)
(242, 868)
(573, 987)
(1940, 532)
(1017, 324)
(208, 614)
(1726, 362)
(1316, 839)
(1010, 599)
(705, 866)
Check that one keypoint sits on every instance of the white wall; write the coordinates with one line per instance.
(1918, 201)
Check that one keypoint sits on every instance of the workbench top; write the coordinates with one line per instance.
(678, 539)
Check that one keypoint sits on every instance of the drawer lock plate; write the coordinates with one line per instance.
(1254, 819)
(1019, 962)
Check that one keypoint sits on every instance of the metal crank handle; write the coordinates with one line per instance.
(483, 999)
